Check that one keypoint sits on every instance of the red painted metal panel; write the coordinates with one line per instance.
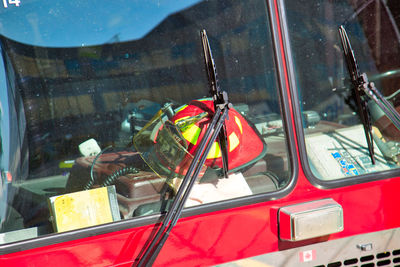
(225, 235)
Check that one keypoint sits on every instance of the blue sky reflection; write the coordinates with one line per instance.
(60, 23)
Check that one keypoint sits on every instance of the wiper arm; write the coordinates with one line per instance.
(360, 82)
(365, 88)
(220, 98)
(214, 130)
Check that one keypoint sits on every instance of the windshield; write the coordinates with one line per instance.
(347, 133)
(105, 104)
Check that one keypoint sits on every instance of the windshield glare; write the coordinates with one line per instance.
(83, 23)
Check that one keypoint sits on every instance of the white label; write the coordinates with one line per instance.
(11, 2)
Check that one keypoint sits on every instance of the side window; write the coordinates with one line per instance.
(106, 116)
(339, 143)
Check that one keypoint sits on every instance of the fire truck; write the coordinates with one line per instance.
(200, 133)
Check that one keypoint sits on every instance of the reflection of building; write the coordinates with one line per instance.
(81, 90)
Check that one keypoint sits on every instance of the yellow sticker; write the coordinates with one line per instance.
(239, 124)
(233, 141)
(192, 134)
(215, 151)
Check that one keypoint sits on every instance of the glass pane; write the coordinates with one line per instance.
(335, 135)
(104, 106)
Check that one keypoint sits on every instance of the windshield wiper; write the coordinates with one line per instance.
(363, 89)
(214, 130)
(359, 81)
(220, 98)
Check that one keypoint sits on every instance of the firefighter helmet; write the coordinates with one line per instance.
(244, 144)
(168, 144)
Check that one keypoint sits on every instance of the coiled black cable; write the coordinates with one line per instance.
(92, 178)
(109, 180)
(121, 172)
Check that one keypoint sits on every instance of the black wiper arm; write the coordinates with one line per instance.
(366, 88)
(359, 82)
(220, 98)
(214, 129)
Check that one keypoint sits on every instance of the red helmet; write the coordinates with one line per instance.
(184, 131)
(244, 144)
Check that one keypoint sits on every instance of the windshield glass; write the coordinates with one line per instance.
(336, 136)
(105, 104)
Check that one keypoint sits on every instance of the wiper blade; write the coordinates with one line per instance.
(365, 88)
(359, 82)
(213, 131)
(220, 98)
